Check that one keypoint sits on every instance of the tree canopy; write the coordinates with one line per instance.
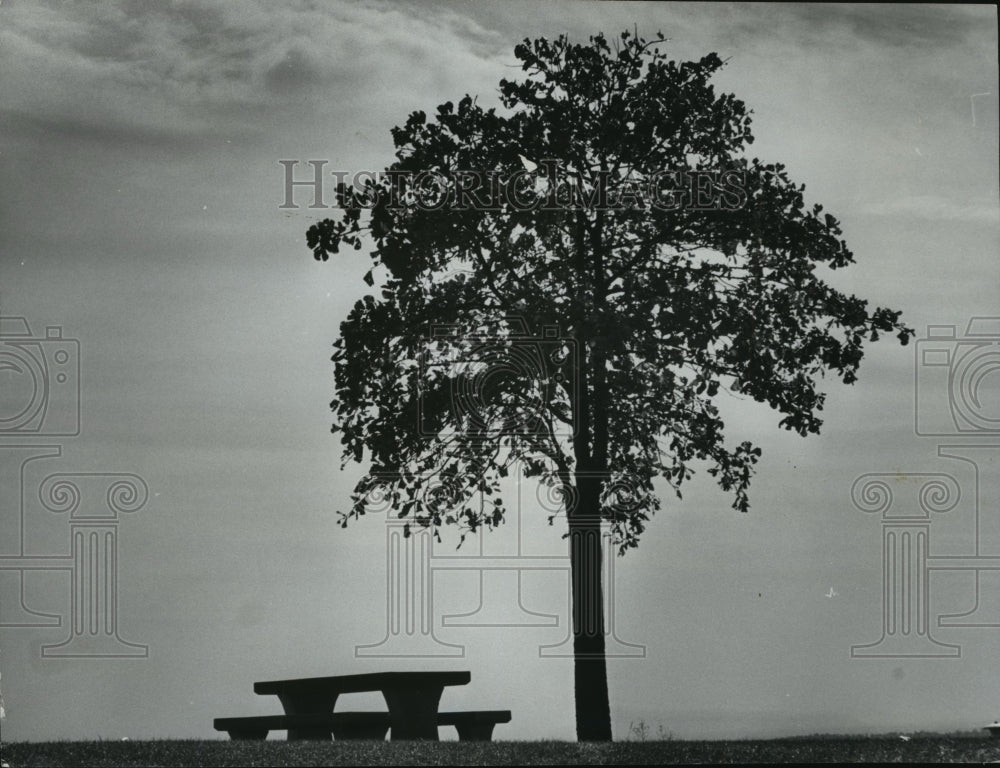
(659, 302)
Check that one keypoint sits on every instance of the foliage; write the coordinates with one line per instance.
(445, 376)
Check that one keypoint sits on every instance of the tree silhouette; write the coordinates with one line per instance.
(567, 282)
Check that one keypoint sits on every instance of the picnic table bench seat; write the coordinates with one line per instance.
(343, 725)
(471, 726)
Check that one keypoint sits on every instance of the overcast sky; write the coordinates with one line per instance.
(139, 210)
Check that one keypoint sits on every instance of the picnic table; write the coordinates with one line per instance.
(412, 699)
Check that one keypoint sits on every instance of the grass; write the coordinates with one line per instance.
(847, 749)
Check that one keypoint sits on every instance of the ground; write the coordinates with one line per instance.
(930, 749)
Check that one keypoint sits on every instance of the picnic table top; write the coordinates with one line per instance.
(371, 681)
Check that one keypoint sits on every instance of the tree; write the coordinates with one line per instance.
(568, 282)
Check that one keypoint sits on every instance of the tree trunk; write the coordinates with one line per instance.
(590, 673)
(590, 446)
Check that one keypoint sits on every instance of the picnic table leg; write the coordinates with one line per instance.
(413, 713)
(308, 704)
(475, 731)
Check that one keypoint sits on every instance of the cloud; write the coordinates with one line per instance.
(200, 65)
(296, 70)
(68, 131)
(902, 25)
(937, 208)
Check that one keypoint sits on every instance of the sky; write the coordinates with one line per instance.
(140, 220)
